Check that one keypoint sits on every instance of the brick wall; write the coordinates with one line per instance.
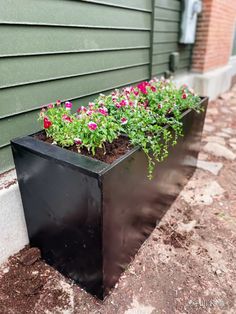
(214, 37)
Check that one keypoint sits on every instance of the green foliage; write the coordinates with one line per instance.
(150, 114)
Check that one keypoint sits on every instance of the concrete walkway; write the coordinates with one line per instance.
(188, 265)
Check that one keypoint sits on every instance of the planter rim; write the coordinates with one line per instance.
(85, 164)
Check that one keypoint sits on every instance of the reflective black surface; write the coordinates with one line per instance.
(89, 218)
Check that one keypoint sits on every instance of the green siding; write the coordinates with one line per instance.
(234, 44)
(73, 50)
(166, 33)
(66, 49)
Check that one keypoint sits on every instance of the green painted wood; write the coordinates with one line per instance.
(167, 47)
(145, 5)
(25, 40)
(234, 44)
(26, 98)
(70, 13)
(161, 58)
(19, 125)
(159, 69)
(169, 4)
(166, 14)
(166, 26)
(166, 37)
(6, 160)
(32, 69)
(160, 37)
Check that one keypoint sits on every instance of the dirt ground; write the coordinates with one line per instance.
(188, 264)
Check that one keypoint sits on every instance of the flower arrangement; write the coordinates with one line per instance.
(141, 112)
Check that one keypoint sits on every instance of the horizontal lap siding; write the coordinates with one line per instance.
(166, 27)
(66, 49)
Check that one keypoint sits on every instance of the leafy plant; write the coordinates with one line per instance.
(149, 113)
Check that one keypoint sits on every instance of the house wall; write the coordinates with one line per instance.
(73, 50)
(166, 33)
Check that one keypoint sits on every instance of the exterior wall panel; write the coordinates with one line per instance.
(73, 50)
(166, 33)
(68, 50)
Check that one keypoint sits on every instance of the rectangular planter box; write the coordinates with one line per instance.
(89, 218)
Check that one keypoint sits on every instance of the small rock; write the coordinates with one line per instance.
(208, 120)
(219, 151)
(212, 111)
(199, 193)
(233, 146)
(221, 134)
(213, 167)
(215, 139)
(232, 140)
(187, 227)
(208, 128)
(228, 131)
(202, 156)
(218, 272)
(30, 256)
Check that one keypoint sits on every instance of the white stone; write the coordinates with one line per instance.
(208, 128)
(182, 227)
(215, 139)
(208, 120)
(138, 308)
(12, 223)
(219, 150)
(200, 193)
(225, 110)
(233, 146)
(202, 156)
(221, 134)
(213, 167)
(212, 111)
(228, 131)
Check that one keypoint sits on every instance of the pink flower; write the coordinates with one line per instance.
(66, 118)
(50, 106)
(91, 105)
(136, 92)
(77, 141)
(58, 102)
(46, 123)
(68, 105)
(92, 126)
(184, 96)
(159, 106)
(118, 105)
(82, 109)
(103, 111)
(131, 103)
(123, 103)
(143, 87)
(123, 121)
(89, 112)
(153, 88)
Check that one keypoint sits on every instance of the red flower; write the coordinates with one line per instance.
(46, 123)
(92, 126)
(77, 141)
(123, 121)
(103, 111)
(153, 88)
(66, 118)
(68, 105)
(184, 96)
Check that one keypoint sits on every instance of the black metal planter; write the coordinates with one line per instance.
(90, 218)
